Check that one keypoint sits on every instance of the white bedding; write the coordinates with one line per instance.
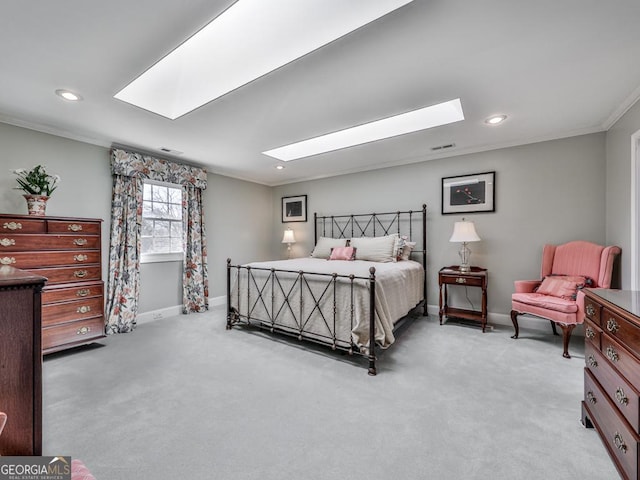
(399, 288)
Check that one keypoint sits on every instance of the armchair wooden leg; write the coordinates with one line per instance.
(566, 336)
(553, 327)
(514, 319)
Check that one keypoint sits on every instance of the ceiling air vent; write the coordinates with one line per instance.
(443, 147)
(172, 152)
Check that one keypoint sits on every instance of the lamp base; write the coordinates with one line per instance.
(464, 268)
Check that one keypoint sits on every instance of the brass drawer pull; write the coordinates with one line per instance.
(80, 241)
(592, 361)
(461, 280)
(590, 310)
(612, 354)
(74, 227)
(618, 441)
(80, 258)
(84, 309)
(591, 397)
(621, 397)
(7, 260)
(83, 331)
(7, 242)
(590, 333)
(80, 273)
(12, 225)
(612, 325)
(83, 292)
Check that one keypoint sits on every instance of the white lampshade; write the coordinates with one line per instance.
(464, 231)
(288, 236)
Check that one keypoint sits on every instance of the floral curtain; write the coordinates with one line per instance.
(130, 170)
(195, 284)
(124, 255)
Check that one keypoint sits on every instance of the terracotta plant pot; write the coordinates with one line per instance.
(36, 204)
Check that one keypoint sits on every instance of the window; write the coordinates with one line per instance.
(161, 222)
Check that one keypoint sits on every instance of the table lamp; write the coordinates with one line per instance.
(288, 238)
(464, 232)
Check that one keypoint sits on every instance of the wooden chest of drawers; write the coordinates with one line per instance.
(612, 374)
(67, 252)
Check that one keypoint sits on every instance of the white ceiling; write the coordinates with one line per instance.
(557, 67)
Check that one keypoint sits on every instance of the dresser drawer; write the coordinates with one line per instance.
(25, 260)
(71, 227)
(21, 243)
(55, 294)
(622, 394)
(20, 225)
(60, 336)
(69, 311)
(620, 441)
(622, 330)
(592, 333)
(69, 274)
(621, 359)
(592, 310)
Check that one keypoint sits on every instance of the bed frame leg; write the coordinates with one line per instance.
(228, 294)
(372, 321)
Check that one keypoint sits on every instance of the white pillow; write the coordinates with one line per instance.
(324, 245)
(375, 249)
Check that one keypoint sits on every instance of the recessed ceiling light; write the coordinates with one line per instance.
(421, 119)
(248, 40)
(280, 167)
(495, 120)
(68, 95)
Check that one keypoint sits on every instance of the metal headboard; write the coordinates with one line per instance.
(377, 225)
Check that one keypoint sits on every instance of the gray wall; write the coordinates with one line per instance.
(618, 181)
(236, 212)
(239, 221)
(548, 192)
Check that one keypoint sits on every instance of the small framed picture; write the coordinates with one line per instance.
(294, 209)
(469, 193)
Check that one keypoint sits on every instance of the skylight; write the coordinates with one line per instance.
(248, 40)
(421, 119)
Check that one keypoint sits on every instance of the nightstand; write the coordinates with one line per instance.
(477, 277)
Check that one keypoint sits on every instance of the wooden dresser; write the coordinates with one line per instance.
(67, 252)
(20, 362)
(612, 374)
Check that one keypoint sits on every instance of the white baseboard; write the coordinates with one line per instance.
(498, 319)
(525, 322)
(159, 314)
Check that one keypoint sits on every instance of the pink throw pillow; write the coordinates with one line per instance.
(561, 286)
(343, 253)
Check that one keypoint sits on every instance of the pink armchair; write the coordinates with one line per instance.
(562, 269)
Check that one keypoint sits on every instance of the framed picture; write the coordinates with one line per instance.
(294, 209)
(469, 193)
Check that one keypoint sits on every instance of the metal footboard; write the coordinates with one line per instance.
(300, 304)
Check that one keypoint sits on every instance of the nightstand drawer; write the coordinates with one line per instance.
(470, 280)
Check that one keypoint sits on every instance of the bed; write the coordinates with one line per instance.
(366, 274)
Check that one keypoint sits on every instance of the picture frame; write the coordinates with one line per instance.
(294, 209)
(469, 193)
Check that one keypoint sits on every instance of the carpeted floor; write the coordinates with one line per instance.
(182, 398)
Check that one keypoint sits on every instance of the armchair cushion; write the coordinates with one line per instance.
(547, 302)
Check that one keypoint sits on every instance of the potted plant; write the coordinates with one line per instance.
(38, 186)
